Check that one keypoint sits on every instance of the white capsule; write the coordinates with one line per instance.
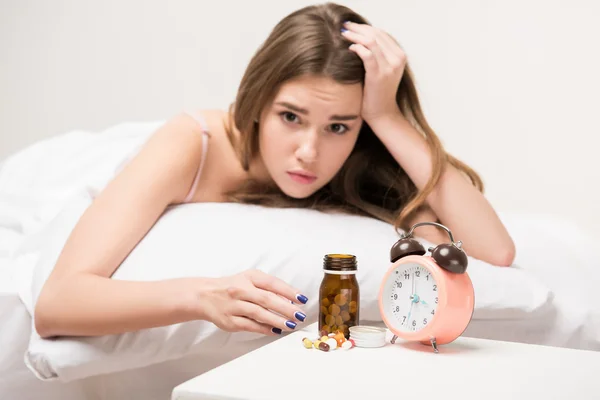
(347, 345)
(332, 343)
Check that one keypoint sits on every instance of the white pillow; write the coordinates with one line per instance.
(223, 239)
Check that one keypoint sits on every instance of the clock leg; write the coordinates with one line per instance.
(393, 339)
(434, 345)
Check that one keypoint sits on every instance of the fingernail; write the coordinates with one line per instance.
(300, 316)
(290, 324)
(344, 30)
(302, 298)
(276, 330)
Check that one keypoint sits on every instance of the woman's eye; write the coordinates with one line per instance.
(289, 117)
(338, 128)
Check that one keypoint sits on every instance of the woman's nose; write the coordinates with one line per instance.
(307, 148)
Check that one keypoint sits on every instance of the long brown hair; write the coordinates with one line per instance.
(371, 182)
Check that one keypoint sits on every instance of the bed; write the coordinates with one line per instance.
(547, 297)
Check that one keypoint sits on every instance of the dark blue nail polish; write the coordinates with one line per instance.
(290, 324)
(300, 316)
(276, 330)
(344, 30)
(302, 298)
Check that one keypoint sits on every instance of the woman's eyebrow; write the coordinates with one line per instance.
(304, 111)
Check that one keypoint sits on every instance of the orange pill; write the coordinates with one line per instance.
(325, 302)
(324, 310)
(339, 320)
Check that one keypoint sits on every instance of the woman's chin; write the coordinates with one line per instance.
(298, 192)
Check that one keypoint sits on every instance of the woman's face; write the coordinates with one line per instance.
(308, 131)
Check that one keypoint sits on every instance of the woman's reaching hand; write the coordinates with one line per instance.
(250, 301)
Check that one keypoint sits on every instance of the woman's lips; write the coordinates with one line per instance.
(302, 178)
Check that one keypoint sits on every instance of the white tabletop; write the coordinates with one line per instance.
(465, 369)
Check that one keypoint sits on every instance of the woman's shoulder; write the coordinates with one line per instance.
(214, 122)
(218, 169)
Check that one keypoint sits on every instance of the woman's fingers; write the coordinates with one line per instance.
(265, 295)
(275, 285)
(384, 48)
(262, 315)
(394, 53)
(249, 325)
(373, 57)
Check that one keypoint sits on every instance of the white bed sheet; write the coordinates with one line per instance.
(16, 380)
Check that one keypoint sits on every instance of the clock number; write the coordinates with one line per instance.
(404, 320)
(436, 300)
(424, 321)
(432, 312)
(406, 275)
(435, 288)
(418, 273)
(395, 296)
(397, 308)
(414, 323)
(427, 276)
(399, 284)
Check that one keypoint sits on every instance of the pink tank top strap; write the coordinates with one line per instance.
(205, 134)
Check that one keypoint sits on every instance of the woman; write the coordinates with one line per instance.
(327, 117)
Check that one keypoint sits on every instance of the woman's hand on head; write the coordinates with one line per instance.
(384, 62)
(250, 301)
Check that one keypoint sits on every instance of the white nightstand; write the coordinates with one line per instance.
(465, 369)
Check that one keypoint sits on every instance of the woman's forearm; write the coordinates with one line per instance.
(455, 201)
(90, 305)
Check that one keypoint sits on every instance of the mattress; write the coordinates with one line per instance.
(155, 382)
(16, 381)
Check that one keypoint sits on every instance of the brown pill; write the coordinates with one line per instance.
(323, 346)
(338, 320)
(325, 302)
(324, 310)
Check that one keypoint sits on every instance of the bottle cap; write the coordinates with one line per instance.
(368, 336)
(340, 264)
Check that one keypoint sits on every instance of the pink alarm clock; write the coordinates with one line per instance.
(427, 298)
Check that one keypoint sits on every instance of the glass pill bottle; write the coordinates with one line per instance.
(339, 294)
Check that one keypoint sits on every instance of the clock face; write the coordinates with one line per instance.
(410, 297)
